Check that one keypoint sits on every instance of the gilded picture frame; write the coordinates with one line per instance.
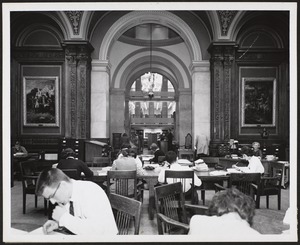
(41, 101)
(258, 103)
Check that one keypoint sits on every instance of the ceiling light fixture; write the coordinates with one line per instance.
(151, 75)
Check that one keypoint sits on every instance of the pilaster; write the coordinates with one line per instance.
(78, 68)
(222, 61)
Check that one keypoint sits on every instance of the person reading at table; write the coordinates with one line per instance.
(171, 163)
(229, 215)
(68, 161)
(17, 148)
(157, 153)
(83, 207)
(254, 166)
(127, 162)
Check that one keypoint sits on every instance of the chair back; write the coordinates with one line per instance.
(169, 201)
(28, 176)
(277, 171)
(188, 143)
(244, 181)
(72, 173)
(183, 176)
(125, 182)
(126, 211)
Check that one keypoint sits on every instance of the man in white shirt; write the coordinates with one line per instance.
(171, 161)
(83, 207)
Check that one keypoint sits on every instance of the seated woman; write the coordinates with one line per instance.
(171, 163)
(157, 152)
(125, 162)
(256, 150)
(254, 166)
(68, 161)
(229, 215)
(18, 148)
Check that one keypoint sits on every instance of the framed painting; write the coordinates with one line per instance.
(258, 106)
(41, 101)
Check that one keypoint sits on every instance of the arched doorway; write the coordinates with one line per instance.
(151, 110)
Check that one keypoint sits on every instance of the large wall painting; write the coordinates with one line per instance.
(41, 101)
(258, 104)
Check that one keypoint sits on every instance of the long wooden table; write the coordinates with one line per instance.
(151, 177)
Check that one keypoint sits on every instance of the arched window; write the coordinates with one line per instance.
(152, 95)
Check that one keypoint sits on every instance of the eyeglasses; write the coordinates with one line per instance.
(52, 196)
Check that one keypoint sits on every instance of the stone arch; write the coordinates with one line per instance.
(249, 22)
(159, 17)
(137, 73)
(273, 36)
(161, 60)
(35, 31)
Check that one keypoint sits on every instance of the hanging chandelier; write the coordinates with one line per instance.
(151, 75)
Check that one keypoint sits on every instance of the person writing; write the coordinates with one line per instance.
(157, 152)
(171, 163)
(229, 215)
(19, 149)
(254, 166)
(83, 207)
(68, 161)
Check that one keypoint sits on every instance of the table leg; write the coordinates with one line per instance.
(151, 209)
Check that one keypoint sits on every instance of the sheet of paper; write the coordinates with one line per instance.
(39, 231)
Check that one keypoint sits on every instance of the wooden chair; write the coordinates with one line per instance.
(183, 176)
(126, 211)
(124, 183)
(172, 217)
(245, 183)
(29, 178)
(271, 185)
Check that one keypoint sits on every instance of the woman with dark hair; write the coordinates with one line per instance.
(68, 161)
(230, 214)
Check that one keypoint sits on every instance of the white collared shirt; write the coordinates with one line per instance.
(92, 211)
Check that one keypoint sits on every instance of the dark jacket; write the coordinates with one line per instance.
(71, 163)
(156, 155)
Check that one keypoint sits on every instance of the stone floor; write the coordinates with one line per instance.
(266, 221)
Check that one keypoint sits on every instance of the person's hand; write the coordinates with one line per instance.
(50, 226)
(58, 212)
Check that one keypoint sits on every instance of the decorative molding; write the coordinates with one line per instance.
(225, 19)
(75, 18)
(39, 55)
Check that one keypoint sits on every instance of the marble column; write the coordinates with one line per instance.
(201, 98)
(184, 116)
(117, 108)
(100, 99)
(77, 97)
